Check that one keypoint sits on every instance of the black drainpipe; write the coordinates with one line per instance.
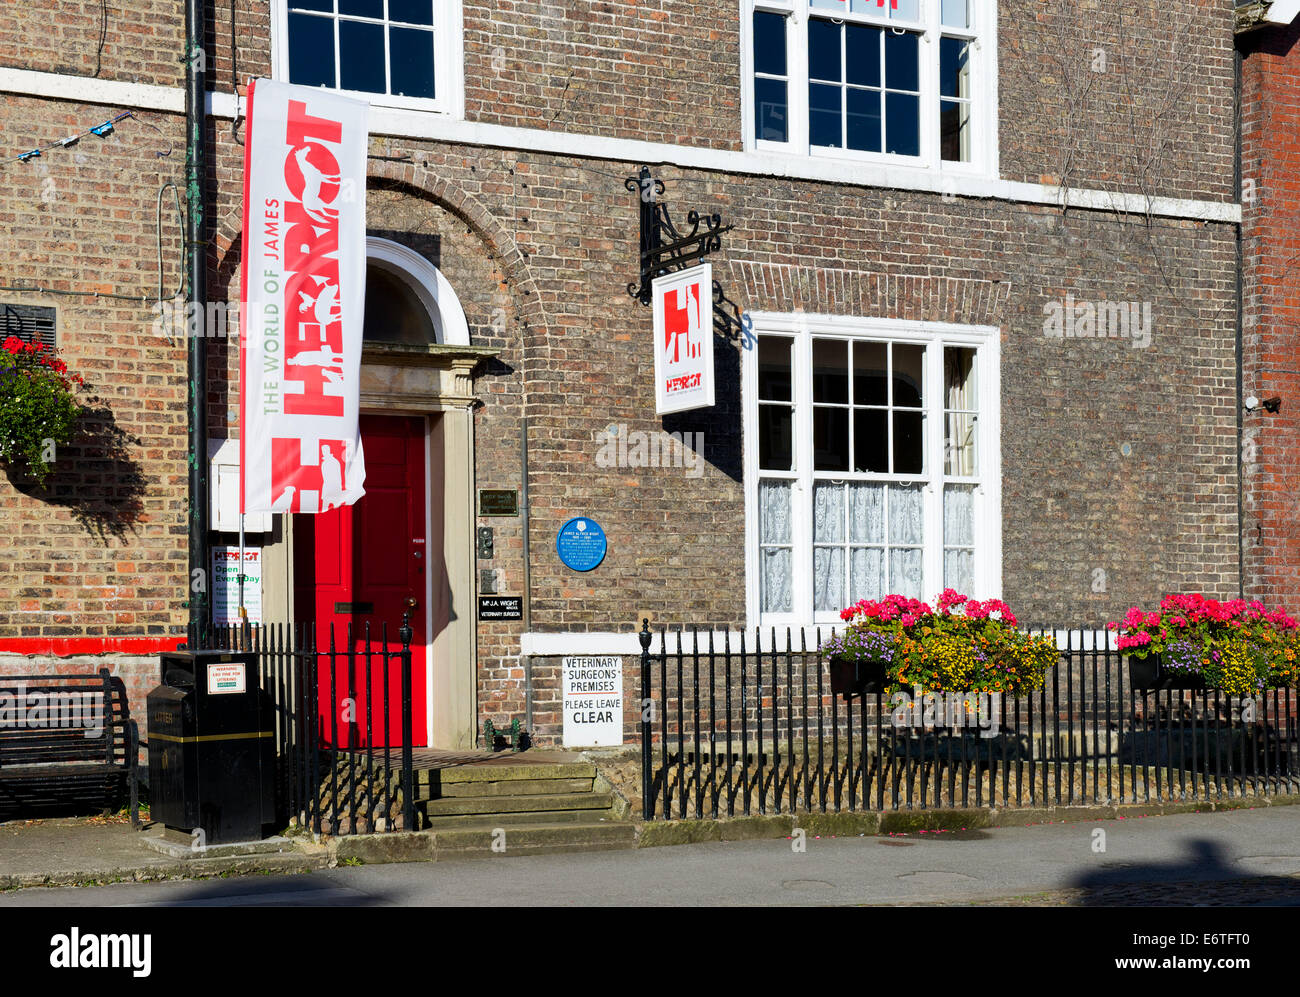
(196, 262)
(1236, 184)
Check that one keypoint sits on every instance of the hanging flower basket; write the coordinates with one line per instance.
(965, 646)
(38, 409)
(1190, 642)
(1149, 673)
(851, 677)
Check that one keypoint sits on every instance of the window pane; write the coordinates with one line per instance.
(864, 120)
(828, 512)
(825, 126)
(828, 578)
(325, 5)
(769, 43)
(959, 377)
(776, 579)
(362, 8)
(411, 11)
(866, 573)
(823, 50)
(959, 444)
(905, 10)
(909, 450)
(770, 102)
(954, 68)
(905, 572)
(902, 124)
(871, 440)
(906, 514)
(831, 371)
(412, 68)
(955, 13)
(954, 131)
(870, 370)
(311, 50)
(831, 439)
(867, 513)
(774, 369)
(959, 516)
(902, 65)
(959, 571)
(774, 512)
(862, 55)
(909, 375)
(775, 438)
(361, 56)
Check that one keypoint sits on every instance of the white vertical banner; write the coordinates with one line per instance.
(302, 300)
(683, 324)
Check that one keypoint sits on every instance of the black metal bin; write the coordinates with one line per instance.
(212, 746)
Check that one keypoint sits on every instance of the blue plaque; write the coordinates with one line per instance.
(581, 543)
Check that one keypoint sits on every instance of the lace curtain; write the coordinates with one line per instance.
(877, 514)
(775, 558)
(959, 532)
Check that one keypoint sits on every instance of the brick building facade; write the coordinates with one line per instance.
(1270, 81)
(928, 237)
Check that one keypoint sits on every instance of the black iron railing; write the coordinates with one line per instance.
(750, 725)
(342, 767)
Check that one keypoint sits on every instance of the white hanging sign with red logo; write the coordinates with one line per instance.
(683, 322)
(303, 299)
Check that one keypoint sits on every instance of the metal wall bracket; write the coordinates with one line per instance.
(664, 249)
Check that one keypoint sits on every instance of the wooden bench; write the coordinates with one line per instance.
(64, 740)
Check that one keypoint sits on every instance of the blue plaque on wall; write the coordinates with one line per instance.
(581, 543)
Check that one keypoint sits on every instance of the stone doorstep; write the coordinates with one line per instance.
(461, 805)
(505, 771)
(511, 787)
(491, 820)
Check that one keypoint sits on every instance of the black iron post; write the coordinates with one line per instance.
(647, 798)
(196, 262)
(408, 765)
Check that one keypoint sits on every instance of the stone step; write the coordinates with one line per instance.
(532, 839)
(517, 804)
(472, 822)
(506, 771)
(507, 787)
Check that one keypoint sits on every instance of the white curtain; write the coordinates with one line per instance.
(867, 526)
(959, 532)
(776, 563)
(828, 562)
(959, 431)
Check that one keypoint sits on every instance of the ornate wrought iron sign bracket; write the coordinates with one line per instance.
(664, 248)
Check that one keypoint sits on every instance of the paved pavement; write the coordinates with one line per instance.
(1246, 857)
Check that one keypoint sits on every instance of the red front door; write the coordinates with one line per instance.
(365, 564)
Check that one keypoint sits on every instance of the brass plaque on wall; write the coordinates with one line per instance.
(498, 501)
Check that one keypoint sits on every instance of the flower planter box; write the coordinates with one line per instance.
(1150, 673)
(851, 678)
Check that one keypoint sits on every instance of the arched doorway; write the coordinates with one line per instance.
(406, 544)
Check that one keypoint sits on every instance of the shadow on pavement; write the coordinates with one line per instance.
(1205, 877)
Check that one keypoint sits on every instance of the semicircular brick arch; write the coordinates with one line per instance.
(503, 250)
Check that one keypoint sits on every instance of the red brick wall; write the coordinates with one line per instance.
(1271, 219)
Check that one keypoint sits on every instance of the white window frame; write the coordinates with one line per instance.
(986, 340)
(983, 88)
(449, 66)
